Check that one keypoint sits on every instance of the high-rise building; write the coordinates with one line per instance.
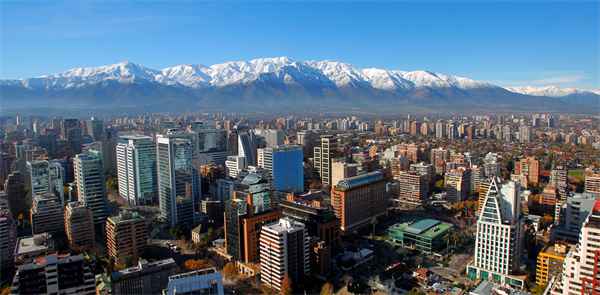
(247, 145)
(79, 226)
(341, 169)
(457, 183)
(136, 169)
(439, 157)
(273, 137)
(491, 167)
(310, 210)
(573, 213)
(284, 163)
(524, 134)
(413, 189)
(178, 180)
(126, 237)
(206, 281)
(592, 182)
(323, 154)
(210, 144)
(549, 263)
(234, 165)
(440, 131)
(8, 239)
(55, 274)
(144, 278)
(498, 239)
(46, 177)
(91, 187)
(95, 129)
(530, 168)
(284, 251)
(47, 214)
(359, 200)
(581, 274)
(14, 187)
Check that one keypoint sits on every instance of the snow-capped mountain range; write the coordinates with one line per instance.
(257, 79)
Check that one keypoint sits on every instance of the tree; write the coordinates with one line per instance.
(195, 264)
(286, 285)
(229, 271)
(327, 289)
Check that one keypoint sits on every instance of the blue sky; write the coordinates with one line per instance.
(509, 43)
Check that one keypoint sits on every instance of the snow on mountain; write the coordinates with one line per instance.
(550, 91)
(277, 69)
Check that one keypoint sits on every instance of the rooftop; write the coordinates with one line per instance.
(356, 181)
(36, 244)
(428, 228)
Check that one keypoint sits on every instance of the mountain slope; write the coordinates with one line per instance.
(276, 83)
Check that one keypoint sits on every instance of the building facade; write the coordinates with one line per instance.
(136, 169)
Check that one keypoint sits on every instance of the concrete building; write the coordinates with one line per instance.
(341, 170)
(549, 263)
(529, 167)
(206, 281)
(358, 200)
(79, 226)
(234, 165)
(322, 157)
(580, 269)
(55, 274)
(247, 145)
(592, 182)
(144, 278)
(28, 248)
(499, 235)
(284, 251)
(210, 144)
(91, 186)
(136, 169)
(47, 215)
(573, 213)
(457, 184)
(413, 189)
(126, 237)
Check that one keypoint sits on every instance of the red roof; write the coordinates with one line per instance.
(597, 206)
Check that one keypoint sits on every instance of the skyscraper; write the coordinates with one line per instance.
(323, 155)
(284, 251)
(413, 188)
(284, 163)
(499, 233)
(457, 183)
(91, 187)
(136, 169)
(178, 180)
(530, 168)
(247, 145)
(46, 177)
(95, 129)
(210, 144)
(8, 239)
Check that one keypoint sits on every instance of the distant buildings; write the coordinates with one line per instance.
(55, 274)
(126, 237)
(499, 233)
(359, 200)
(136, 169)
(144, 278)
(79, 226)
(530, 168)
(205, 281)
(91, 186)
(284, 251)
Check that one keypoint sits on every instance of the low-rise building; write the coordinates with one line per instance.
(426, 235)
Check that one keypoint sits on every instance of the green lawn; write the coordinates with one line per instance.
(577, 174)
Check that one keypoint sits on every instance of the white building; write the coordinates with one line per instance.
(284, 250)
(322, 158)
(234, 165)
(91, 187)
(136, 169)
(499, 234)
(580, 267)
